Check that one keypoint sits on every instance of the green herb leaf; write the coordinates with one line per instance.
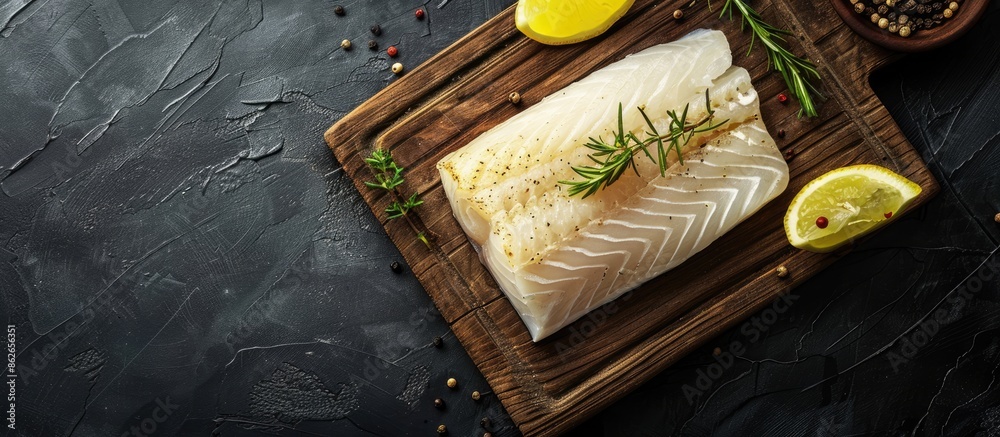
(620, 156)
(389, 177)
(796, 72)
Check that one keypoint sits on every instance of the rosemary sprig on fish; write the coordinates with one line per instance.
(613, 160)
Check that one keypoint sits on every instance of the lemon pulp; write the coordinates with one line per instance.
(567, 21)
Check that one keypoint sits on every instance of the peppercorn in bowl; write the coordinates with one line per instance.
(910, 25)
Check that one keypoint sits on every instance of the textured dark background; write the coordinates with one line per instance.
(182, 255)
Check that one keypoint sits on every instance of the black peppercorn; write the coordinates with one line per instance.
(372, 45)
(439, 403)
(781, 133)
(339, 10)
(396, 267)
(486, 422)
(902, 17)
(376, 30)
(438, 342)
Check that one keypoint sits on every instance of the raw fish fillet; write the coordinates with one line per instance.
(557, 257)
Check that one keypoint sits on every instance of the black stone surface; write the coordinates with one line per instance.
(181, 254)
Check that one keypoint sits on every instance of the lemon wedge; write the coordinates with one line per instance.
(567, 21)
(844, 204)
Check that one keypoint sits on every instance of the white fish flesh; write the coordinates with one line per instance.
(557, 257)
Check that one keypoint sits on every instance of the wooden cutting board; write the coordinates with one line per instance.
(443, 104)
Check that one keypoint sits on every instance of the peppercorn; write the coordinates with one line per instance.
(397, 68)
(782, 271)
(996, 218)
(487, 434)
(476, 395)
(442, 430)
(782, 98)
(392, 51)
(438, 342)
(396, 267)
(887, 215)
(372, 45)
(822, 222)
(678, 14)
(345, 44)
(915, 15)
(789, 154)
(452, 383)
(781, 133)
(514, 97)
(485, 422)
(419, 13)
(339, 10)
(439, 403)
(376, 30)
(717, 351)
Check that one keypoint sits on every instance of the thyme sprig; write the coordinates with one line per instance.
(614, 159)
(797, 72)
(389, 177)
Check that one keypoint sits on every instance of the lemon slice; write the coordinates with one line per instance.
(844, 204)
(567, 21)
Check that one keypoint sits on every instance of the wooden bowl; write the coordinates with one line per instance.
(919, 41)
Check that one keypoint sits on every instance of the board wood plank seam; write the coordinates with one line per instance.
(553, 385)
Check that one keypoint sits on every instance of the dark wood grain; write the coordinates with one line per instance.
(461, 92)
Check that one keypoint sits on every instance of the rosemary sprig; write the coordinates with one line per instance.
(796, 71)
(613, 160)
(388, 177)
